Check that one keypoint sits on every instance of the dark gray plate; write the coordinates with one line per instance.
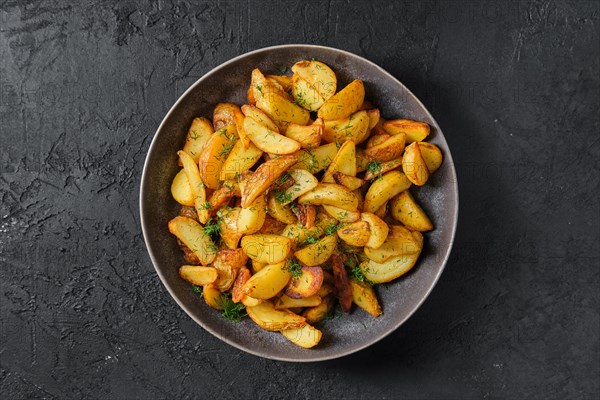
(229, 82)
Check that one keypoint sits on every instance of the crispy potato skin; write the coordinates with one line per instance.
(307, 284)
(343, 291)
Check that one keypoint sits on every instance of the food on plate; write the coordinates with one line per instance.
(300, 201)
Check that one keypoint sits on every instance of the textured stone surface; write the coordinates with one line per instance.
(515, 87)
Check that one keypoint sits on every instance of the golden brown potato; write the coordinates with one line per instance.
(200, 131)
(378, 228)
(344, 103)
(284, 81)
(196, 185)
(267, 140)
(355, 128)
(270, 249)
(228, 263)
(343, 291)
(344, 162)
(414, 165)
(181, 190)
(342, 215)
(305, 336)
(389, 270)
(251, 218)
(237, 293)
(192, 235)
(240, 159)
(264, 176)
(351, 182)
(330, 194)
(267, 282)
(364, 296)
(355, 234)
(309, 136)
(224, 115)
(215, 154)
(299, 233)
(374, 117)
(318, 75)
(381, 168)
(317, 253)
(280, 211)
(405, 209)
(304, 182)
(384, 188)
(305, 95)
(432, 156)
(213, 297)
(228, 227)
(286, 301)
(317, 159)
(390, 149)
(320, 312)
(196, 275)
(415, 131)
(267, 317)
(375, 140)
(259, 116)
(400, 241)
(305, 285)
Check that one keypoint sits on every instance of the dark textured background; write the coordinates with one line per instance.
(515, 87)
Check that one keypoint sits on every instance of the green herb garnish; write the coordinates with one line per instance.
(198, 289)
(232, 311)
(331, 229)
(374, 168)
(294, 267)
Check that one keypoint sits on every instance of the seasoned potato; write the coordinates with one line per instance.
(224, 115)
(382, 168)
(304, 182)
(252, 218)
(383, 189)
(237, 293)
(240, 159)
(317, 159)
(215, 154)
(344, 162)
(264, 176)
(374, 117)
(305, 95)
(351, 182)
(320, 312)
(344, 103)
(228, 227)
(317, 253)
(400, 241)
(196, 275)
(307, 284)
(200, 131)
(389, 270)
(267, 317)
(286, 301)
(342, 215)
(432, 156)
(318, 75)
(192, 235)
(343, 290)
(355, 128)
(379, 229)
(355, 234)
(270, 249)
(388, 150)
(309, 136)
(196, 185)
(213, 297)
(267, 140)
(259, 116)
(280, 211)
(414, 165)
(228, 263)
(267, 282)
(331, 194)
(405, 209)
(415, 131)
(181, 190)
(305, 336)
(284, 82)
(375, 140)
(364, 296)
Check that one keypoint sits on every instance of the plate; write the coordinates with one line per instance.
(228, 83)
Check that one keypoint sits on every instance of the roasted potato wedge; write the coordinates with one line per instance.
(197, 275)
(305, 95)
(343, 291)
(240, 159)
(344, 162)
(317, 159)
(375, 140)
(309, 136)
(389, 270)
(304, 182)
(355, 234)
(299, 233)
(228, 227)
(280, 211)
(284, 81)
(200, 131)
(374, 117)
(342, 215)
(432, 156)
(355, 128)
(228, 263)
(267, 140)
(414, 166)
(379, 229)
(305, 336)
(415, 131)
(364, 296)
(317, 253)
(192, 235)
(405, 209)
(267, 282)
(286, 301)
(320, 312)
(213, 297)
(270, 249)
(251, 219)
(196, 185)
(344, 103)
(388, 150)
(331, 194)
(400, 241)
(264, 176)
(383, 189)
(215, 154)
(181, 190)
(237, 293)
(318, 75)
(267, 317)
(224, 115)
(259, 116)
(382, 168)
(305, 285)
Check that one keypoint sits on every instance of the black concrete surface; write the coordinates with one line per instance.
(514, 85)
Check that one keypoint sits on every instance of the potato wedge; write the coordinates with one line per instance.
(317, 159)
(196, 185)
(228, 263)
(240, 159)
(305, 95)
(215, 154)
(390, 149)
(237, 293)
(383, 189)
(286, 301)
(284, 81)
(305, 336)
(355, 234)
(267, 282)
(252, 218)
(320, 312)
(374, 117)
(381, 168)
(299, 233)
(375, 140)
(305, 285)
(318, 75)
(343, 291)
(267, 317)
(432, 156)
(400, 241)
(259, 116)
(364, 296)
(344, 162)
(317, 253)
(228, 227)
(251, 301)
(192, 235)
(197, 275)
(280, 211)
(415, 131)
(272, 226)
(213, 297)
(270, 249)
(351, 182)
(264, 176)
(342, 215)
(200, 131)
(344, 103)
(355, 128)
(382, 211)
(405, 209)
(389, 270)
(277, 106)
(362, 162)
(379, 229)
(414, 165)
(331, 194)
(304, 182)
(224, 115)
(181, 190)
(267, 140)
(309, 136)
